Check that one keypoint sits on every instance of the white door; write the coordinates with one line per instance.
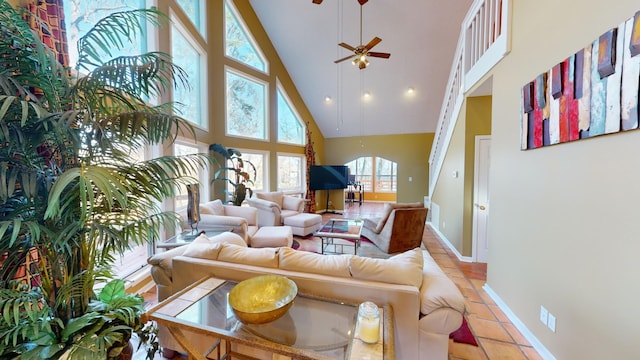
(481, 199)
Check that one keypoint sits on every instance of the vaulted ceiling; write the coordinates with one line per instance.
(421, 36)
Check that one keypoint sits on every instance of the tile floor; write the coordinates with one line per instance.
(497, 337)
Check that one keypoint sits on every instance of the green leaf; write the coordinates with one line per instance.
(114, 290)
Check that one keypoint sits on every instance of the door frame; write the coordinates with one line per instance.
(476, 168)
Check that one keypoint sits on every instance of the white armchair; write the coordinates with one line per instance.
(214, 215)
(274, 207)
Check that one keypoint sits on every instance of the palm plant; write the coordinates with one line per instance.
(71, 188)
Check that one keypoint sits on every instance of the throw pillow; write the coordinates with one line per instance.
(275, 197)
(228, 238)
(215, 207)
(202, 248)
(290, 203)
(402, 269)
(265, 257)
(308, 262)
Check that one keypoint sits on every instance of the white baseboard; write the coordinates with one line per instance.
(541, 349)
(446, 241)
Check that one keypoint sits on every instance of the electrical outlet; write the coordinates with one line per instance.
(444, 225)
(544, 315)
(551, 322)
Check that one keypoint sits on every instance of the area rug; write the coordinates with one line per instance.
(464, 335)
(313, 244)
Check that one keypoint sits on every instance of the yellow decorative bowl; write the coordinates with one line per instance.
(262, 299)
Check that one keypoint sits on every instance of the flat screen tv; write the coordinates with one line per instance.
(328, 177)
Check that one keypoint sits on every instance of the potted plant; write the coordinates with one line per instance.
(239, 169)
(72, 195)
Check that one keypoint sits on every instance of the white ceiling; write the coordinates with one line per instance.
(421, 36)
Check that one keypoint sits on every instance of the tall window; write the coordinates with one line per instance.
(362, 169)
(291, 173)
(375, 173)
(191, 58)
(260, 161)
(386, 175)
(239, 45)
(81, 15)
(184, 148)
(195, 13)
(246, 106)
(290, 128)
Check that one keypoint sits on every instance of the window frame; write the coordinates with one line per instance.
(280, 90)
(266, 122)
(203, 175)
(265, 168)
(188, 36)
(302, 188)
(202, 17)
(247, 32)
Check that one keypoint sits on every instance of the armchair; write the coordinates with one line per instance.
(215, 215)
(399, 229)
(274, 207)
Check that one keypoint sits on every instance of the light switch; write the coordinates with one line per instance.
(410, 178)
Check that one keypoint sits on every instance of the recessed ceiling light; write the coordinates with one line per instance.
(327, 99)
(411, 90)
(367, 94)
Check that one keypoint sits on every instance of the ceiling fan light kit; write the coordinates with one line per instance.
(361, 52)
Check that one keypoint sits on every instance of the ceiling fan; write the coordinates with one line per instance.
(361, 52)
(362, 2)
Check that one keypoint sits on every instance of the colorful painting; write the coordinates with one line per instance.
(592, 92)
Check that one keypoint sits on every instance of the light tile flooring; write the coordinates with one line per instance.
(497, 337)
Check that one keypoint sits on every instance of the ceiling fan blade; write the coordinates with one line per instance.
(375, 41)
(317, 1)
(362, 2)
(378, 54)
(347, 46)
(344, 58)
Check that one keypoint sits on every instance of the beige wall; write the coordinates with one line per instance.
(454, 195)
(411, 152)
(564, 219)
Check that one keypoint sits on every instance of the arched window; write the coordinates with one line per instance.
(375, 174)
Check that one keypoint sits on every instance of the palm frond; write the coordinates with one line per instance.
(112, 33)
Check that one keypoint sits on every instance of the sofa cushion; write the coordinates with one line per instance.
(265, 257)
(275, 197)
(215, 207)
(403, 269)
(202, 248)
(308, 262)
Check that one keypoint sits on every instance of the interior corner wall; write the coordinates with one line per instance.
(564, 218)
(410, 151)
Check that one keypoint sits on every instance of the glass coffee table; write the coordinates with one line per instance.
(340, 229)
(313, 328)
(186, 237)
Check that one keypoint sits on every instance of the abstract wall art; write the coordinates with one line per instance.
(592, 92)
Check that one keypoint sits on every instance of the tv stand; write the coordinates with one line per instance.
(326, 207)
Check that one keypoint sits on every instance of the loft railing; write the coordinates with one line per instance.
(483, 42)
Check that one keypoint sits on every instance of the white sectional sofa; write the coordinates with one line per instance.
(427, 305)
